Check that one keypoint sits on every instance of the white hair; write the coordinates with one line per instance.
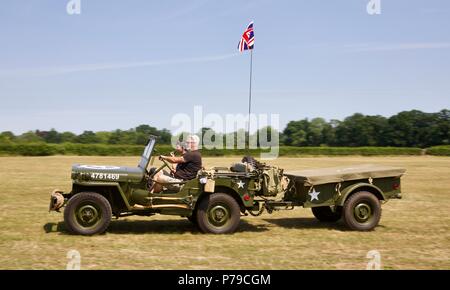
(195, 139)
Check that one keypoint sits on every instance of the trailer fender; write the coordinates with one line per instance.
(344, 194)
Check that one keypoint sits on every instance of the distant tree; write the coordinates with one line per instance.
(442, 134)
(329, 133)
(53, 136)
(29, 137)
(68, 137)
(7, 137)
(361, 130)
(87, 137)
(165, 136)
(103, 136)
(376, 132)
(144, 131)
(315, 136)
(408, 128)
(416, 128)
(207, 136)
(123, 137)
(296, 133)
(268, 136)
(42, 134)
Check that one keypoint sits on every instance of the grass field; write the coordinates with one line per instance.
(414, 233)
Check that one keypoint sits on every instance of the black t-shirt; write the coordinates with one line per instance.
(188, 169)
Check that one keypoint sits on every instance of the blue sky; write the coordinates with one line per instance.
(119, 64)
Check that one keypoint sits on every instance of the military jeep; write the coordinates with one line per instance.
(217, 197)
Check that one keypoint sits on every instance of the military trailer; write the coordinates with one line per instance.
(217, 198)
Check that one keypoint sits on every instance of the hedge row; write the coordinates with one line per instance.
(337, 151)
(439, 150)
(45, 149)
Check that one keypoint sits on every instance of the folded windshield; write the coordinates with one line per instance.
(145, 159)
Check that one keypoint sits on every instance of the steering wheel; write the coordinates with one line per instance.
(166, 164)
(161, 168)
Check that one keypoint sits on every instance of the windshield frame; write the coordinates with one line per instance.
(147, 153)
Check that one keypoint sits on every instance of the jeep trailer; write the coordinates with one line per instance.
(217, 197)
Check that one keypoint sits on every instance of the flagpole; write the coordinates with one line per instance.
(250, 96)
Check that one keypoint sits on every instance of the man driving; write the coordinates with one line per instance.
(187, 166)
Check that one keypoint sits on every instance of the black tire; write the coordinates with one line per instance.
(218, 213)
(87, 213)
(362, 211)
(193, 217)
(325, 214)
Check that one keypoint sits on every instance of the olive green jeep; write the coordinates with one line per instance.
(217, 197)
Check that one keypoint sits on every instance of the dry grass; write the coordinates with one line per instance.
(414, 232)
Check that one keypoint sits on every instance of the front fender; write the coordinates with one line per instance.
(114, 185)
(359, 186)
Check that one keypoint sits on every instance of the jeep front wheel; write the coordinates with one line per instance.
(193, 217)
(218, 213)
(87, 213)
(362, 211)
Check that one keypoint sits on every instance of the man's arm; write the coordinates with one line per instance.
(173, 159)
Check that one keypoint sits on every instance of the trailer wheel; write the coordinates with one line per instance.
(87, 213)
(325, 214)
(218, 213)
(362, 211)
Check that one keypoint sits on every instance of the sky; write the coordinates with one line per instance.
(119, 64)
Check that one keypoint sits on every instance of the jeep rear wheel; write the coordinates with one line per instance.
(362, 211)
(87, 213)
(218, 213)
(326, 214)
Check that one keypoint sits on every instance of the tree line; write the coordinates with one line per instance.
(405, 129)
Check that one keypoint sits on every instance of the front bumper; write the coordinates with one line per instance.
(57, 200)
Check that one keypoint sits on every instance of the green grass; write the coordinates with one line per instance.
(414, 233)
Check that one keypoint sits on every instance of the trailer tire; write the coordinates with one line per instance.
(362, 211)
(218, 213)
(87, 213)
(325, 214)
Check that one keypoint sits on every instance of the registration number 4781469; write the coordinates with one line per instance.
(108, 176)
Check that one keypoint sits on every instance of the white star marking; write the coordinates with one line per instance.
(240, 184)
(314, 195)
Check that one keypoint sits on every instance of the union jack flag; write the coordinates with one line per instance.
(248, 39)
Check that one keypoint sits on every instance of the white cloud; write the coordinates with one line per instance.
(58, 70)
(396, 46)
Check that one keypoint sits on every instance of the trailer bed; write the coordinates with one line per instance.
(311, 177)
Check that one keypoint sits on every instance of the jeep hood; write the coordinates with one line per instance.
(106, 173)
